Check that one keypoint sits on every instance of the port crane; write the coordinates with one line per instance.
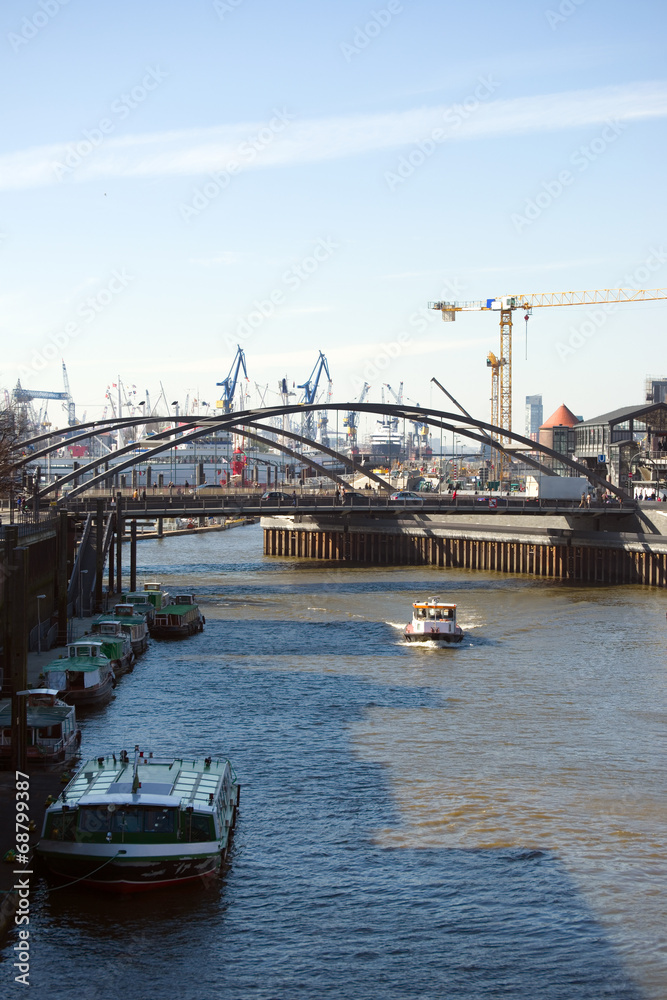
(351, 422)
(26, 396)
(505, 305)
(226, 404)
(309, 393)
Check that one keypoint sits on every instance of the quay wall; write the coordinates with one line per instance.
(555, 547)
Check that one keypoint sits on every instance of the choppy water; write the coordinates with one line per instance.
(483, 821)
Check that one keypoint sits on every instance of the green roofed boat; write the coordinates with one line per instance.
(128, 826)
(181, 618)
(84, 677)
(131, 621)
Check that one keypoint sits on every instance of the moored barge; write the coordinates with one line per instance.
(128, 826)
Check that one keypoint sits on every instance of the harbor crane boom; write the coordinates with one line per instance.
(310, 391)
(226, 404)
(351, 422)
(505, 305)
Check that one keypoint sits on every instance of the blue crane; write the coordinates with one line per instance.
(310, 392)
(26, 396)
(351, 422)
(229, 384)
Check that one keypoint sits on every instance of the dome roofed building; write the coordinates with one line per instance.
(557, 432)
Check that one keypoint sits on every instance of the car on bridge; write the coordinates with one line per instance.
(406, 496)
(277, 496)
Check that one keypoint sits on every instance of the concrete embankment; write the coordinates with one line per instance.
(628, 547)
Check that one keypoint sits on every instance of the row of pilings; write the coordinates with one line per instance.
(560, 560)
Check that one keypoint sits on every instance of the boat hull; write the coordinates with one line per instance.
(176, 631)
(90, 697)
(447, 637)
(38, 756)
(139, 875)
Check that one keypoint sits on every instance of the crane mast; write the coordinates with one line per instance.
(505, 305)
(351, 422)
(226, 404)
(309, 392)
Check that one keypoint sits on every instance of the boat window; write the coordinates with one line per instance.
(62, 825)
(199, 828)
(128, 820)
(93, 819)
(157, 820)
(421, 613)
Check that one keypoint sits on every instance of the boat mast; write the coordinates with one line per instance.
(136, 784)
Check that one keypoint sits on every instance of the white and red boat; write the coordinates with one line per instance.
(433, 621)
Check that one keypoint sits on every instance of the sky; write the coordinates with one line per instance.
(179, 178)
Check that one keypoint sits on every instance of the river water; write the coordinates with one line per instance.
(482, 821)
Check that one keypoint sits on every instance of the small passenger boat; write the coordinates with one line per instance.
(433, 620)
(115, 643)
(84, 677)
(130, 825)
(53, 735)
(158, 597)
(141, 604)
(131, 621)
(181, 618)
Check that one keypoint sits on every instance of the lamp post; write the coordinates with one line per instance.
(81, 575)
(40, 597)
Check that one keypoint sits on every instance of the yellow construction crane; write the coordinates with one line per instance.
(501, 366)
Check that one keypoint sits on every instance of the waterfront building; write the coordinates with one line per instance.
(627, 445)
(558, 433)
(534, 416)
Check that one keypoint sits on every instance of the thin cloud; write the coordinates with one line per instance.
(194, 152)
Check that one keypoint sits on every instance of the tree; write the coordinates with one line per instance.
(9, 476)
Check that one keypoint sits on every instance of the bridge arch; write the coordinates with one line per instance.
(471, 428)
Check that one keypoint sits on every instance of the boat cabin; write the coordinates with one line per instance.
(434, 612)
(154, 593)
(52, 731)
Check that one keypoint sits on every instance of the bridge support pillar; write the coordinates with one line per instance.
(119, 543)
(61, 578)
(133, 554)
(99, 553)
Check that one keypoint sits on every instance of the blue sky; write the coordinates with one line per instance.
(177, 178)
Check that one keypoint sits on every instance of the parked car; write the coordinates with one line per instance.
(277, 496)
(351, 498)
(406, 496)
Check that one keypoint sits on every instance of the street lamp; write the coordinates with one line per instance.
(40, 597)
(81, 575)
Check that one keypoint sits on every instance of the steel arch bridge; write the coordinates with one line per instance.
(251, 423)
